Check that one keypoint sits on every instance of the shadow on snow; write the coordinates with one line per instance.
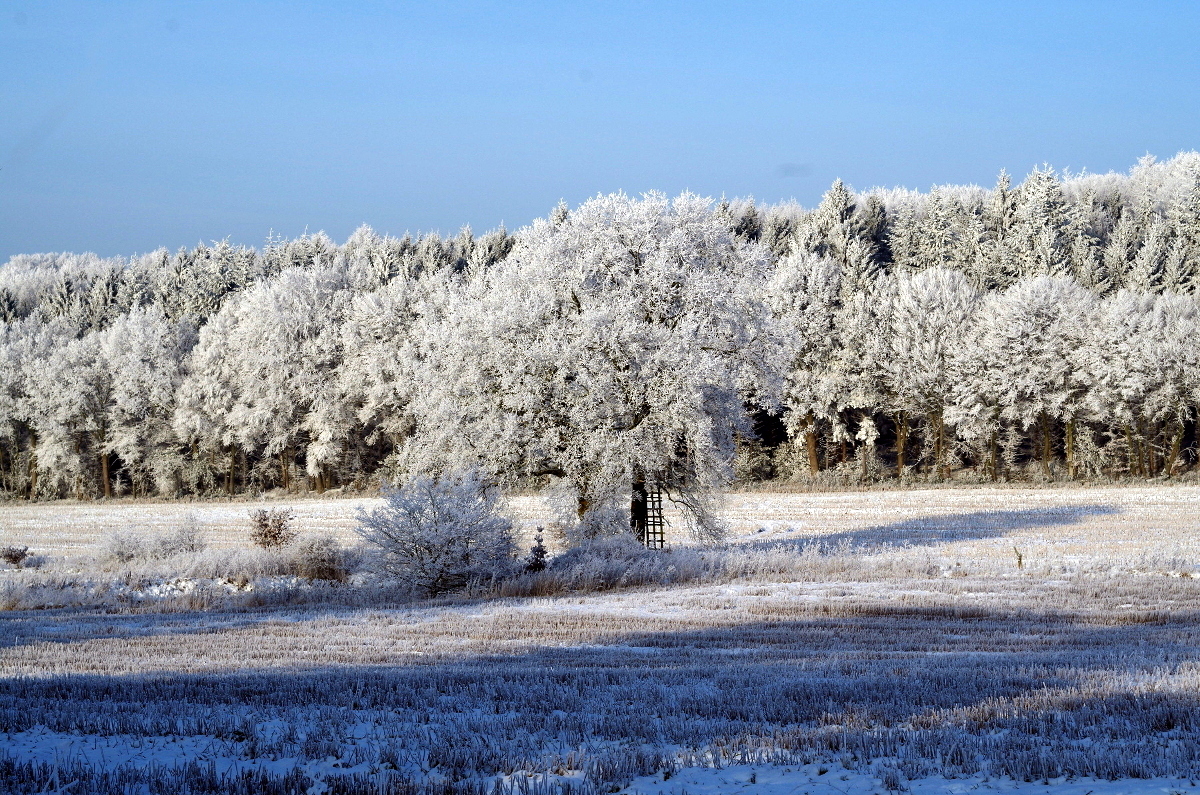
(932, 530)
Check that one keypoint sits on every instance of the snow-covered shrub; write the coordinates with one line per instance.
(603, 562)
(272, 528)
(321, 558)
(126, 546)
(619, 561)
(187, 538)
(439, 534)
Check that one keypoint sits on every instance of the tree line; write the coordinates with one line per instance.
(1045, 329)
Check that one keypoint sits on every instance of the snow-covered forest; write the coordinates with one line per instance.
(1041, 330)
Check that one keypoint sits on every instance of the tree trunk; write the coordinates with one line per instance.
(78, 475)
(638, 513)
(1151, 456)
(1196, 433)
(104, 475)
(1152, 448)
(810, 438)
(865, 454)
(901, 441)
(229, 476)
(1147, 451)
(995, 455)
(1176, 445)
(937, 445)
(1047, 445)
(1134, 453)
(941, 464)
(1069, 451)
(33, 468)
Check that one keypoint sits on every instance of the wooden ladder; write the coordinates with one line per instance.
(655, 534)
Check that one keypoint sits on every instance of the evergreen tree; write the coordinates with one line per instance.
(929, 318)
(1043, 231)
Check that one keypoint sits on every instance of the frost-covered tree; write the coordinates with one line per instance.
(618, 342)
(995, 262)
(1146, 271)
(1044, 229)
(143, 352)
(1017, 371)
(12, 412)
(942, 230)
(834, 344)
(858, 376)
(25, 347)
(260, 378)
(341, 358)
(69, 394)
(382, 342)
(930, 313)
(1141, 367)
(97, 407)
(1121, 249)
(1182, 266)
(837, 230)
(805, 296)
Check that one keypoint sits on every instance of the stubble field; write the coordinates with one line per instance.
(938, 640)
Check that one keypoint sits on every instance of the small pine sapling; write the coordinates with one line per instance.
(536, 560)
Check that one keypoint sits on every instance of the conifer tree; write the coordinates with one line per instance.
(929, 317)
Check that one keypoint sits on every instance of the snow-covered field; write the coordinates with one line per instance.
(939, 641)
(1124, 520)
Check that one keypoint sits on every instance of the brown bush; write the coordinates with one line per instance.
(14, 556)
(273, 528)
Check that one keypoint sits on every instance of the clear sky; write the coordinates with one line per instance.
(125, 126)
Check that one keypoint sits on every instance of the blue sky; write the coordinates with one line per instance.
(125, 126)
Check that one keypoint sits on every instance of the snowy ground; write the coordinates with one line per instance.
(822, 779)
(889, 638)
(1122, 519)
